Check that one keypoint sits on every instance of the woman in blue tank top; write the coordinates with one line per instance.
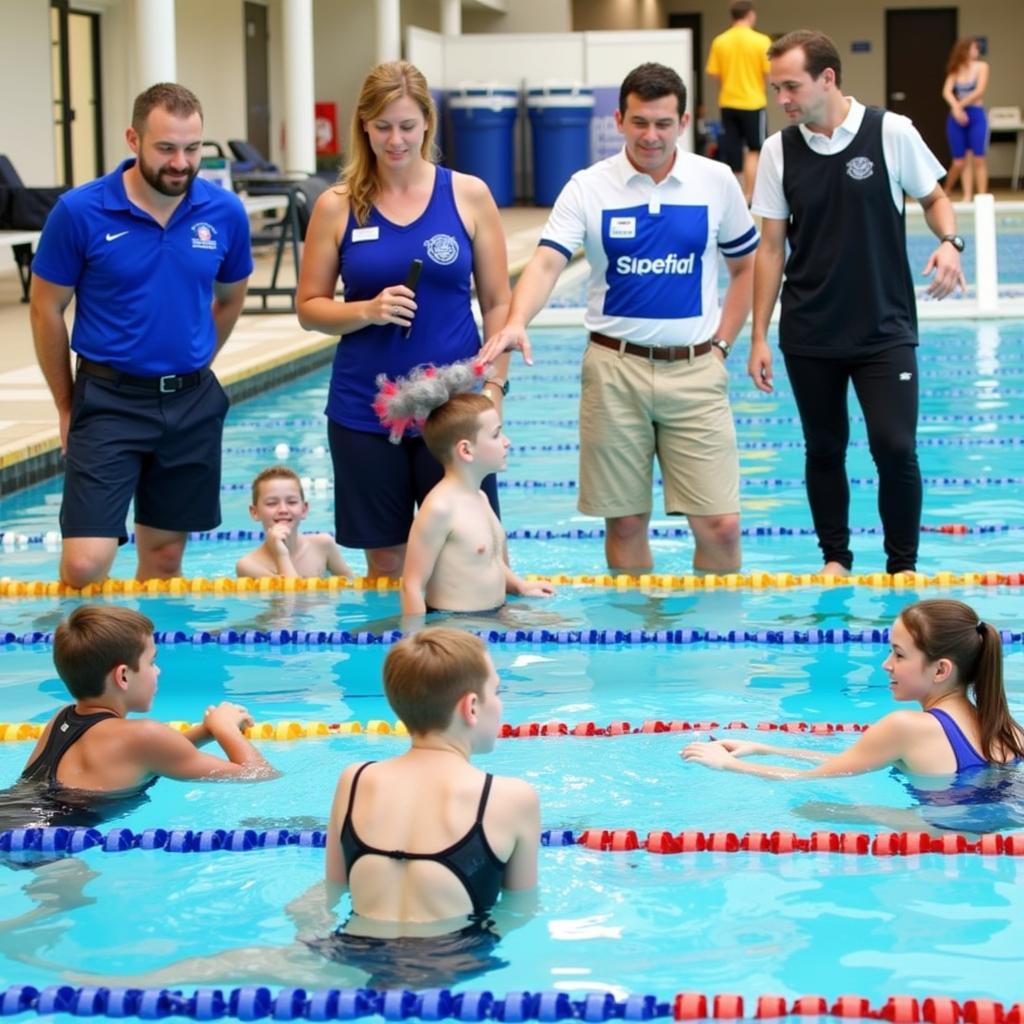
(942, 656)
(395, 206)
(966, 124)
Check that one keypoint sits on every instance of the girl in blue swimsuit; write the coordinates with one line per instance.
(948, 661)
(966, 123)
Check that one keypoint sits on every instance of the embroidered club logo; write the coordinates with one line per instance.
(203, 236)
(859, 168)
(442, 249)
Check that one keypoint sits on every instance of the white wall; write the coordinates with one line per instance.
(26, 113)
(211, 62)
(521, 16)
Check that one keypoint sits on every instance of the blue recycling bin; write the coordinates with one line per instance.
(483, 119)
(560, 118)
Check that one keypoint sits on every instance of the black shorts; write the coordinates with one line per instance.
(378, 485)
(740, 128)
(128, 442)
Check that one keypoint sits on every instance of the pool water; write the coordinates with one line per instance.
(618, 922)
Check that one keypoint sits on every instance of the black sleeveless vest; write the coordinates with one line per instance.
(848, 289)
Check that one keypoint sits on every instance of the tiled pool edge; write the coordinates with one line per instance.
(41, 458)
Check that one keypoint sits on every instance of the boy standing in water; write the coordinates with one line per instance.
(457, 559)
(279, 505)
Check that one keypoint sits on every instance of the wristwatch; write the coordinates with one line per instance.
(498, 383)
(954, 240)
(723, 346)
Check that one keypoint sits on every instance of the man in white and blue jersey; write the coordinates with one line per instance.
(832, 186)
(158, 262)
(653, 219)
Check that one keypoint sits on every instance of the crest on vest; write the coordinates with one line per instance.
(859, 168)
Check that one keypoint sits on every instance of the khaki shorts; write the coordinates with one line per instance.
(632, 409)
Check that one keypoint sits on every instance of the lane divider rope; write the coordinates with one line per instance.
(746, 483)
(567, 637)
(657, 581)
(256, 1002)
(57, 841)
(52, 537)
(290, 729)
(259, 425)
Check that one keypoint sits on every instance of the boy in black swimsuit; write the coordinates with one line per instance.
(90, 755)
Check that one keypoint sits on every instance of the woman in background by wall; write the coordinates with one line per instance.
(966, 125)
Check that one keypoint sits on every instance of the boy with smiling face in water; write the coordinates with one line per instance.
(279, 505)
(456, 559)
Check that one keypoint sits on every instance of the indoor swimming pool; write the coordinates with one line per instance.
(623, 673)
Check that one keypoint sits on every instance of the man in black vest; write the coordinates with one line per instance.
(832, 185)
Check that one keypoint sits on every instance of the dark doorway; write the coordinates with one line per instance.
(692, 22)
(257, 82)
(917, 45)
(77, 106)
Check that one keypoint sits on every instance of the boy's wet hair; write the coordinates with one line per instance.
(456, 420)
(426, 674)
(94, 639)
(276, 473)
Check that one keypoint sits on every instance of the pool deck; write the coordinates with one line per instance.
(262, 347)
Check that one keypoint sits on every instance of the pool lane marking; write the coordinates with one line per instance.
(58, 841)
(654, 581)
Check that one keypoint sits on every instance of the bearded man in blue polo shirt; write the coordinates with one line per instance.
(653, 220)
(158, 262)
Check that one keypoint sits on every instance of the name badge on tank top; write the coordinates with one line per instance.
(368, 234)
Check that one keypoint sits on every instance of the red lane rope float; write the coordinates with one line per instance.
(286, 730)
(883, 844)
(528, 730)
(897, 1009)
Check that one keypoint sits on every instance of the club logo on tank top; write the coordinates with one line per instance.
(442, 249)
(859, 168)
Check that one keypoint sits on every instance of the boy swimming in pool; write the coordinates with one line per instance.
(90, 755)
(941, 655)
(457, 559)
(279, 505)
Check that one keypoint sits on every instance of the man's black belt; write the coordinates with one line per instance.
(660, 353)
(165, 385)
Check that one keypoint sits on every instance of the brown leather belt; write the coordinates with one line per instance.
(660, 353)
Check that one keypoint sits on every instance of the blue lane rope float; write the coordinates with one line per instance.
(256, 1002)
(573, 446)
(746, 483)
(60, 841)
(52, 537)
(305, 423)
(302, 638)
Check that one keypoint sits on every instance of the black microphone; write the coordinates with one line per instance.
(411, 280)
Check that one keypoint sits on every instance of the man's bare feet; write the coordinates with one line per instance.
(834, 569)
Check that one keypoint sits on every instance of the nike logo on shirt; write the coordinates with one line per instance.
(111, 237)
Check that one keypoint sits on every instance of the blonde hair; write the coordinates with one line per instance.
(428, 673)
(383, 85)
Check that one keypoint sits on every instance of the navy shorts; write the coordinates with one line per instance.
(378, 485)
(128, 442)
(740, 128)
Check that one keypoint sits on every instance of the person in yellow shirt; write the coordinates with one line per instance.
(738, 59)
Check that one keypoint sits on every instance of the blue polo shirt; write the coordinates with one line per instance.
(143, 292)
